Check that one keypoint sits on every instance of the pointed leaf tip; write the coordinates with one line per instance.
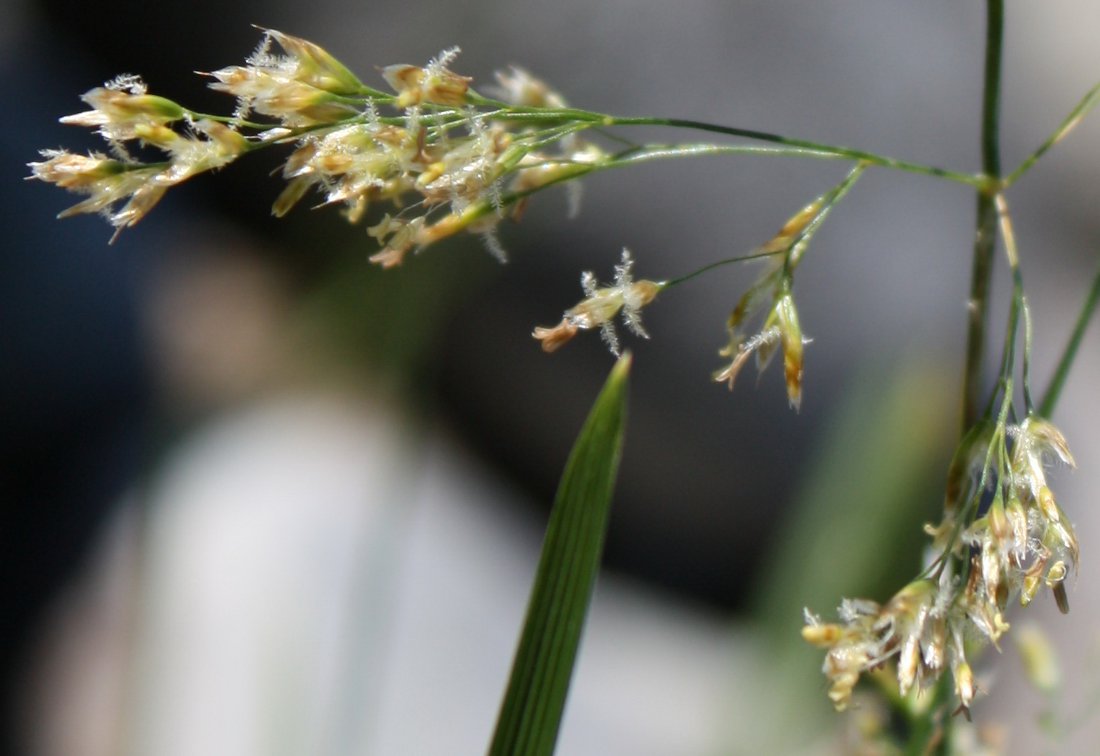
(533, 703)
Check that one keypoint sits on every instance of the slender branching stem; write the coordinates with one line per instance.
(871, 158)
(1017, 306)
(827, 201)
(646, 153)
(1058, 382)
(1029, 404)
(989, 468)
(1087, 103)
(636, 155)
(812, 149)
(720, 263)
(630, 156)
(796, 245)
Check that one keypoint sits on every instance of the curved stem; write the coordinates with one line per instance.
(630, 156)
(711, 266)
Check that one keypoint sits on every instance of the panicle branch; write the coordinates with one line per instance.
(426, 151)
(781, 326)
(439, 155)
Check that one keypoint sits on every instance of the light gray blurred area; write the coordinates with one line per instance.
(317, 569)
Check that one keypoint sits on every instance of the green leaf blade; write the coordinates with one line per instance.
(531, 711)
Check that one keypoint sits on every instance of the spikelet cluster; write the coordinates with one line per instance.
(441, 158)
(780, 328)
(1003, 538)
(770, 300)
(601, 304)
(119, 186)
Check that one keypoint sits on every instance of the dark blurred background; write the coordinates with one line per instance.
(111, 357)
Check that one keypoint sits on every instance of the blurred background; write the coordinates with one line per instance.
(263, 497)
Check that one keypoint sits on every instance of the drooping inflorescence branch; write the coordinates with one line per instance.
(425, 151)
(443, 157)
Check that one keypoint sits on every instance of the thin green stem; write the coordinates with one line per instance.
(996, 445)
(872, 158)
(813, 149)
(1008, 358)
(991, 92)
(1058, 382)
(547, 137)
(632, 156)
(978, 307)
(1029, 405)
(827, 201)
(1018, 303)
(231, 120)
(711, 266)
(646, 153)
(1087, 103)
(520, 113)
(370, 93)
(971, 503)
(986, 225)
